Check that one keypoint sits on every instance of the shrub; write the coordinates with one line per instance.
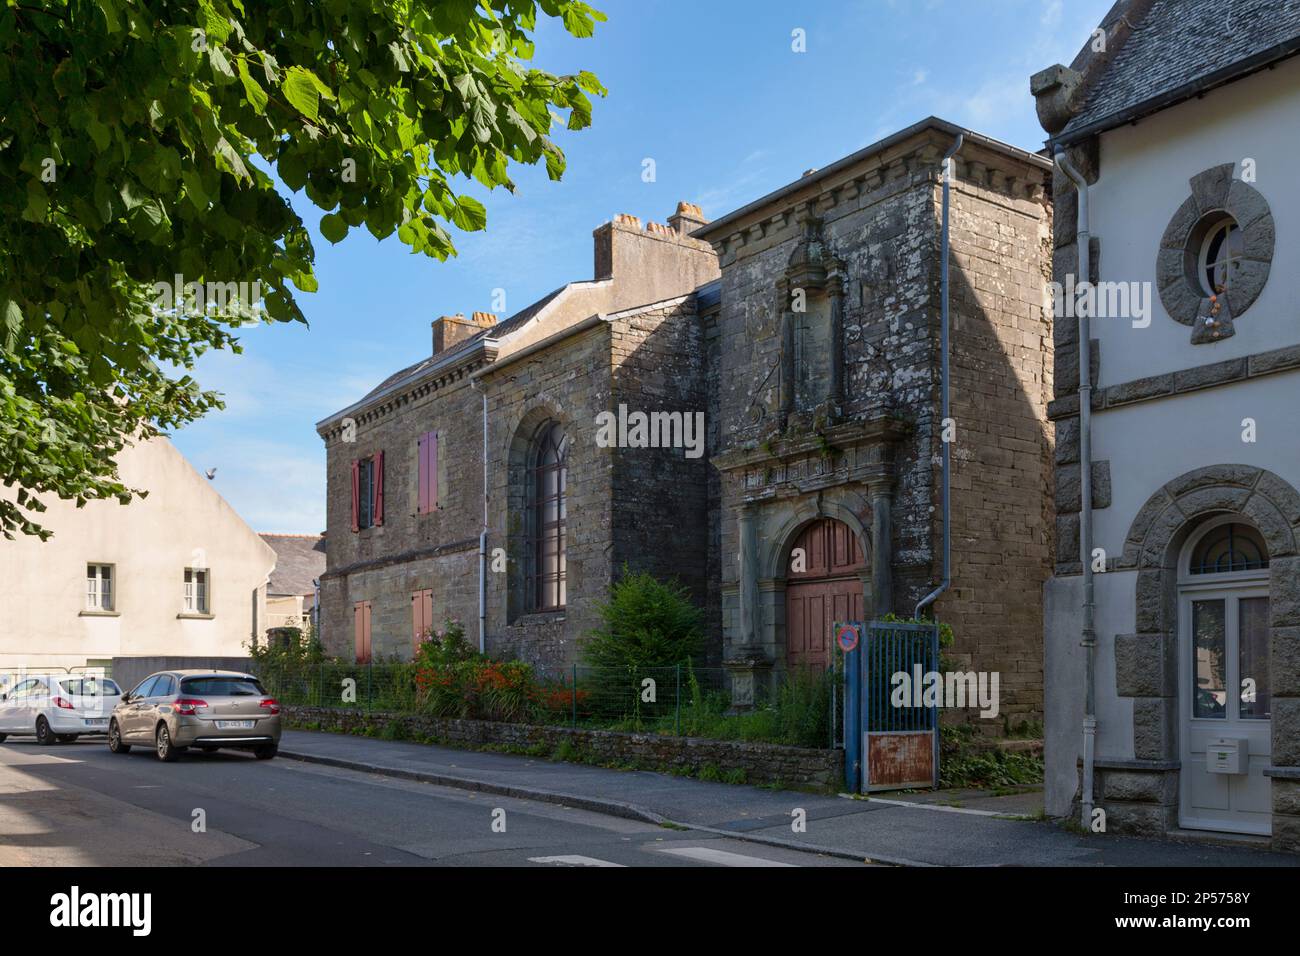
(645, 623)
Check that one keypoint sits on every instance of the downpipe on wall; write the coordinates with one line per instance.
(944, 389)
(1088, 636)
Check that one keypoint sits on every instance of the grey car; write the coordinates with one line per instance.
(172, 711)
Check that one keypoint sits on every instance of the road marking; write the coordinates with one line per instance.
(573, 860)
(720, 857)
(946, 809)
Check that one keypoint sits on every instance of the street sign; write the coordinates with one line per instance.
(847, 635)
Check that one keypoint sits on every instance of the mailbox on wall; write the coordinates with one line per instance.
(1227, 755)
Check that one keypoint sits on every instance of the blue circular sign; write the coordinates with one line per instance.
(847, 636)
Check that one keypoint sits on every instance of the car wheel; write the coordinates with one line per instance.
(115, 739)
(167, 752)
(44, 735)
(266, 751)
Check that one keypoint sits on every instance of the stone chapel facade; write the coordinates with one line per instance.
(803, 329)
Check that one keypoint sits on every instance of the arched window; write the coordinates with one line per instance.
(548, 488)
(1229, 547)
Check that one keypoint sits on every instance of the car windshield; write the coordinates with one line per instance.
(221, 687)
(91, 687)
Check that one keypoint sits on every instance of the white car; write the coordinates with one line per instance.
(57, 708)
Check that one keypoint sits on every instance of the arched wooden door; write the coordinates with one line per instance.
(824, 585)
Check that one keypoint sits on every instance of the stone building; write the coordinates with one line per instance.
(827, 403)
(1178, 117)
(409, 524)
(803, 331)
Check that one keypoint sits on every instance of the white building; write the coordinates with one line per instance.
(1180, 117)
(176, 573)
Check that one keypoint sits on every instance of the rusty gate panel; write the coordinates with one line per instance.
(900, 739)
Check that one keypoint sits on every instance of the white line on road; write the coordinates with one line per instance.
(946, 809)
(573, 860)
(720, 857)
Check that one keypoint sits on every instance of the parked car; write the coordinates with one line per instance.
(57, 708)
(172, 711)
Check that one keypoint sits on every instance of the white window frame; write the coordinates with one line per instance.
(197, 594)
(95, 589)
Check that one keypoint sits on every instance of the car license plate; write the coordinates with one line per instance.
(96, 721)
(234, 725)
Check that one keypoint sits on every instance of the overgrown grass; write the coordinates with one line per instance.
(965, 765)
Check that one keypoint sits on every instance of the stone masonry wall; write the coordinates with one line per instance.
(1001, 366)
(409, 551)
(661, 518)
(753, 763)
(568, 382)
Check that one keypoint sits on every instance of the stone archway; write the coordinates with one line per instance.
(1146, 665)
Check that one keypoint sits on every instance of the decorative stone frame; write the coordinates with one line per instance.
(1214, 194)
(1146, 662)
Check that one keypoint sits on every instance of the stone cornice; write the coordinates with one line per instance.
(880, 429)
(1181, 382)
(432, 380)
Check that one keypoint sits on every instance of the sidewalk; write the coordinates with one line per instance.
(905, 829)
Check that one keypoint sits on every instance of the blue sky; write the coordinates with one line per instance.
(714, 94)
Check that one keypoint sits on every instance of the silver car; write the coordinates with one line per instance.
(172, 711)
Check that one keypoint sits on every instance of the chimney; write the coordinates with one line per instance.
(687, 219)
(450, 330)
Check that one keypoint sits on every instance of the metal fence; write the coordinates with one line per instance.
(684, 700)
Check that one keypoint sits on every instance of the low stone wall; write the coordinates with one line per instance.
(733, 761)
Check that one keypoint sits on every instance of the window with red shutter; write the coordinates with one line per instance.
(361, 625)
(428, 462)
(356, 494)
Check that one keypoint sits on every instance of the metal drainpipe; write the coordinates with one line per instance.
(944, 386)
(483, 533)
(1089, 635)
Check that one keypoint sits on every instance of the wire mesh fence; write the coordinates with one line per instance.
(796, 707)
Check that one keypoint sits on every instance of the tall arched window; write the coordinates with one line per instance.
(548, 485)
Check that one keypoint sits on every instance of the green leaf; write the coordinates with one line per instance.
(469, 214)
(301, 92)
(333, 228)
(257, 97)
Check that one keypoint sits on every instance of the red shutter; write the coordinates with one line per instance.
(432, 445)
(422, 507)
(356, 494)
(361, 629)
(421, 616)
(379, 487)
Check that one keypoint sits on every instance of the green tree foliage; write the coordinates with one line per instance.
(645, 623)
(128, 132)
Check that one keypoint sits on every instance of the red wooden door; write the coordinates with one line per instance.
(824, 586)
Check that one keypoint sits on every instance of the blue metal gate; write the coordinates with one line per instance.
(891, 734)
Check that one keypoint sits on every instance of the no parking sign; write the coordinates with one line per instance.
(847, 635)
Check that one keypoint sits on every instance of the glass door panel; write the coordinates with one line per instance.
(1252, 655)
(1209, 659)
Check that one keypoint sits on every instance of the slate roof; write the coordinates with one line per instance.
(492, 331)
(1182, 47)
(299, 560)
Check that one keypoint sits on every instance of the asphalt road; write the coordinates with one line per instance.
(78, 804)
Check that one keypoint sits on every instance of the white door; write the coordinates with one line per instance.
(1224, 696)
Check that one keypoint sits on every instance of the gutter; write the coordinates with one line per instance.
(944, 385)
(1088, 633)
